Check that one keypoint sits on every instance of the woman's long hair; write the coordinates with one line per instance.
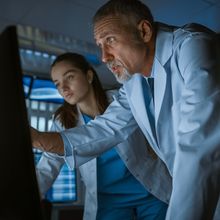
(67, 114)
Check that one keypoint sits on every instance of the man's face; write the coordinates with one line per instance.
(121, 73)
(123, 51)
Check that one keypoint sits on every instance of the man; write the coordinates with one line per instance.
(179, 114)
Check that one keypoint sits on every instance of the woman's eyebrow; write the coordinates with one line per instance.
(68, 71)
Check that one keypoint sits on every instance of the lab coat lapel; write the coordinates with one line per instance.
(160, 79)
(134, 89)
(80, 119)
(138, 102)
(163, 52)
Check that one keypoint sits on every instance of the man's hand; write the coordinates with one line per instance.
(35, 136)
(47, 141)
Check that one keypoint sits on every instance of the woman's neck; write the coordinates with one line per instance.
(88, 105)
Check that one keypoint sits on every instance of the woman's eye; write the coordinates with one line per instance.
(70, 77)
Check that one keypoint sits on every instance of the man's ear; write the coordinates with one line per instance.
(89, 76)
(146, 30)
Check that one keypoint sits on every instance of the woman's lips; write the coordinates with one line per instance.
(68, 95)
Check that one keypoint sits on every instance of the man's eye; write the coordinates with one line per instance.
(110, 40)
(70, 77)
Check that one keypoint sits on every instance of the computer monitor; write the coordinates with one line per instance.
(19, 194)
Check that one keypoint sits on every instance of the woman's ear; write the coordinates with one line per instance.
(89, 76)
(146, 30)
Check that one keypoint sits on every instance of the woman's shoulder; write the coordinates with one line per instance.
(58, 126)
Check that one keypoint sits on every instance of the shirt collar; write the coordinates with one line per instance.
(164, 43)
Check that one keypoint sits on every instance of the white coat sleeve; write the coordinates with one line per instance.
(99, 135)
(48, 167)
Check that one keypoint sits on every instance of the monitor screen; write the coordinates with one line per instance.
(19, 192)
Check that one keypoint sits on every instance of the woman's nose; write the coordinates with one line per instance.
(63, 87)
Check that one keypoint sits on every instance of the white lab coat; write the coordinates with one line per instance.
(187, 121)
(135, 153)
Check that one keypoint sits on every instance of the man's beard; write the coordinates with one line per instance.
(124, 76)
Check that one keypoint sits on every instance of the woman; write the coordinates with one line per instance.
(112, 192)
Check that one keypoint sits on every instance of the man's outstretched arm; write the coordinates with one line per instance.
(47, 141)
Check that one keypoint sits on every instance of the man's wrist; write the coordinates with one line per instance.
(51, 142)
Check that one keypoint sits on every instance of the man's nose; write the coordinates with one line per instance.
(106, 55)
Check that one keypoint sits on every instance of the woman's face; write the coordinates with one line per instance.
(71, 82)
